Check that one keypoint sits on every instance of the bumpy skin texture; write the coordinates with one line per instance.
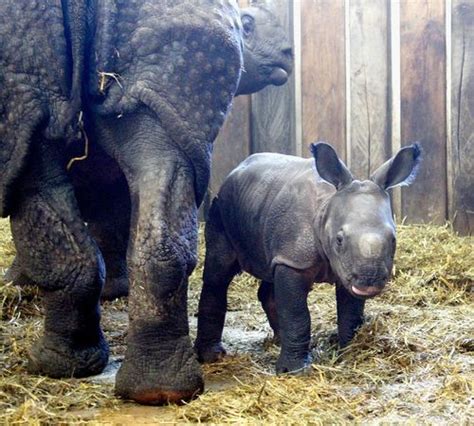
(101, 188)
(292, 222)
(268, 59)
(154, 81)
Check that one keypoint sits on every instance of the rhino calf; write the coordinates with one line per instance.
(291, 222)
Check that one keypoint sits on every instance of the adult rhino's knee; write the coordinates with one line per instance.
(58, 254)
(83, 276)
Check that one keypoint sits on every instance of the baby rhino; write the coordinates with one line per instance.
(291, 222)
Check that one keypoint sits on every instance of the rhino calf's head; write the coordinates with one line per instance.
(268, 55)
(357, 230)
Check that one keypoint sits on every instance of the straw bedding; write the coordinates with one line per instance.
(412, 360)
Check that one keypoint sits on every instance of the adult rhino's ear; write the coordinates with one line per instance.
(329, 167)
(400, 170)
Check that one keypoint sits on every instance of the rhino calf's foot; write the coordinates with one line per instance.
(162, 373)
(209, 353)
(294, 366)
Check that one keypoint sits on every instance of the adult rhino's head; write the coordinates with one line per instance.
(358, 231)
(268, 55)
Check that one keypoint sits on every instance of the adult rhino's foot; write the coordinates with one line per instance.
(209, 353)
(55, 357)
(157, 374)
(294, 366)
(114, 288)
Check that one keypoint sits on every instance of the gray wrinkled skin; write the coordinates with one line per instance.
(104, 198)
(291, 222)
(146, 86)
(268, 59)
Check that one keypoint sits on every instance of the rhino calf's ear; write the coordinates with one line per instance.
(400, 170)
(329, 167)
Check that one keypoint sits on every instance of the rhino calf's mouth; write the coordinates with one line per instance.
(370, 291)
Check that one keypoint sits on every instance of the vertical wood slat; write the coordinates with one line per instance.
(370, 85)
(396, 196)
(461, 209)
(273, 109)
(423, 99)
(232, 144)
(323, 73)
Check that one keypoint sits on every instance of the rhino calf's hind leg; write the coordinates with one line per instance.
(219, 268)
(266, 295)
(55, 249)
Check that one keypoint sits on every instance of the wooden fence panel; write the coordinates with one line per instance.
(233, 142)
(273, 109)
(462, 117)
(323, 73)
(397, 70)
(423, 105)
(370, 129)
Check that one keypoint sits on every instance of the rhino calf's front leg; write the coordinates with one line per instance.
(350, 315)
(291, 293)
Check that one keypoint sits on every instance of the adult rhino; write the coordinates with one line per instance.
(144, 87)
(104, 198)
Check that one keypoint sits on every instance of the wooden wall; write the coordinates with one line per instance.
(371, 76)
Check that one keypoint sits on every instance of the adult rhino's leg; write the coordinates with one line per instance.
(112, 239)
(16, 275)
(160, 365)
(106, 209)
(266, 295)
(220, 267)
(55, 250)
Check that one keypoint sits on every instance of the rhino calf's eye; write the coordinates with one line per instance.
(339, 239)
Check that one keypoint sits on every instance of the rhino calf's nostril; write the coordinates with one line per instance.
(288, 52)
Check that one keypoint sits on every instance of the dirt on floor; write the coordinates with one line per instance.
(413, 360)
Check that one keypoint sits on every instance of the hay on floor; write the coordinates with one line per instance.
(412, 359)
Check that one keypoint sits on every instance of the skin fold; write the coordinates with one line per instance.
(291, 222)
(144, 86)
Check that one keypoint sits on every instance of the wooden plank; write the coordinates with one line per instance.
(369, 85)
(273, 109)
(423, 100)
(323, 73)
(232, 144)
(396, 196)
(462, 117)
